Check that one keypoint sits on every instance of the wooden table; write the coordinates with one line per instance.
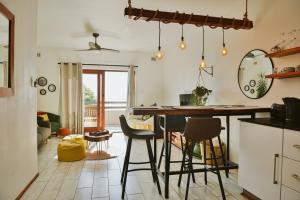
(98, 139)
(192, 111)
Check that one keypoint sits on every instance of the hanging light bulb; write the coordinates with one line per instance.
(202, 64)
(224, 51)
(159, 54)
(182, 44)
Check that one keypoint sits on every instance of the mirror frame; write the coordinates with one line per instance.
(240, 68)
(9, 91)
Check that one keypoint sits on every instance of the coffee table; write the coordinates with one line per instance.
(98, 139)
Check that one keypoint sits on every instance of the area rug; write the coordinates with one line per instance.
(101, 155)
(115, 148)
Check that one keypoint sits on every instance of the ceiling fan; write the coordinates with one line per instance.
(94, 46)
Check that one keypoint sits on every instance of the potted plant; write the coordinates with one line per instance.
(200, 95)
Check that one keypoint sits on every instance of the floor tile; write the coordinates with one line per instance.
(83, 194)
(100, 179)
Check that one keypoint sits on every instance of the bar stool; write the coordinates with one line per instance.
(137, 134)
(197, 130)
(176, 124)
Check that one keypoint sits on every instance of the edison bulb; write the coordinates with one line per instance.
(159, 55)
(202, 64)
(182, 45)
(224, 51)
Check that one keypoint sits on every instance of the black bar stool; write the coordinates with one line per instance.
(137, 134)
(197, 130)
(176, 124)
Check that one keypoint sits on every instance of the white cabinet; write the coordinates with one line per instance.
(291, 165)
(291, 174)
(260, 159)
(291, 145)
(289, 194)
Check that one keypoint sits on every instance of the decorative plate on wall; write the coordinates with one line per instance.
(246, 88)
(51, 88)
(252, 83)
(252, 91)
(43, 91)
(42, 81)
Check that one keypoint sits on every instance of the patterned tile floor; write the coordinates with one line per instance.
(100, 179)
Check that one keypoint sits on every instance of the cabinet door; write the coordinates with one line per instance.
(289, 194)
(259, 167)
(291, 145)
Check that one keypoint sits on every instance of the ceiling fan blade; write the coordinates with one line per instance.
(114, 50)
(82, 49)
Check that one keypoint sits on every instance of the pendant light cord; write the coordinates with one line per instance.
(203, 42)
(159, 36)
(246, 13)
(223, 38)
(182, 38)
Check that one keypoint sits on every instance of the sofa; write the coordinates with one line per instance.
(53, 120)
(43, 133)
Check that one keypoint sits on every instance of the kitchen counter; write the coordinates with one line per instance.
(292, 125)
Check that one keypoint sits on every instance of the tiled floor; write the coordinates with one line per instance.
(100, 179)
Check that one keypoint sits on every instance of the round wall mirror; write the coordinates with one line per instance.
(251, 74)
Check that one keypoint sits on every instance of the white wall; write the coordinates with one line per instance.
(18, 142)
(149, 74)
(181, 68)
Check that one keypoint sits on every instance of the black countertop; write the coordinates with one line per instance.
(292, 125)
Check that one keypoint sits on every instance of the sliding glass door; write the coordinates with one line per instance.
(94, 93)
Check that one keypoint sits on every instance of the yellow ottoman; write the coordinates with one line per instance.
(71, 149)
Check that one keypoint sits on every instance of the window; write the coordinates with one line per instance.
(116, 90)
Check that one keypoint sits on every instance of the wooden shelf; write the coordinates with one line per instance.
(285, 52)
(284, 75)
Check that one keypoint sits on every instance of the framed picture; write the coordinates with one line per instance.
(43, 91)
(51, 88)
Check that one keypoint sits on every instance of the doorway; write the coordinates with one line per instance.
(93, 94)
(105, 98)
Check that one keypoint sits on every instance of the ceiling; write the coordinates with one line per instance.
(69, 23)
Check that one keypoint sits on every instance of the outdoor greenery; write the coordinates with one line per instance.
(89, 96)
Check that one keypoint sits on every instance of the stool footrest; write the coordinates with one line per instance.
(139, 163)
(139, 169)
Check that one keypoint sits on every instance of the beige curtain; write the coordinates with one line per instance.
(131, 88)
(71, 97)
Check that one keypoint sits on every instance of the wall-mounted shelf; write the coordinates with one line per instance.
(285, 52)
(284, 75)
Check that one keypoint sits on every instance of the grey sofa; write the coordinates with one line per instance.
(43, 133)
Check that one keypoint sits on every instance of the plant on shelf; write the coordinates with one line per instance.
(261, 85)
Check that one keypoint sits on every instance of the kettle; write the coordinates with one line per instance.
(292, 106)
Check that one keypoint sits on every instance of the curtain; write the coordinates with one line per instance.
(71, 97)
(131, 88)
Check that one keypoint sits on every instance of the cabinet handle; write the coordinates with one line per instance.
(297, 146)
(295, 176)
(274, 175)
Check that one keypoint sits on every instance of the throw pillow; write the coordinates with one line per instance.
(45, 117)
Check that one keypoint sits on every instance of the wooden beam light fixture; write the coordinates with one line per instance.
(182, 18)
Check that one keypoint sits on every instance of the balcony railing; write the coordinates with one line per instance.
(90, 110)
